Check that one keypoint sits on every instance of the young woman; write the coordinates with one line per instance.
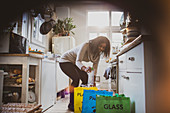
(71, 62)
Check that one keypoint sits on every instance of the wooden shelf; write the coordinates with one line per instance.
(13, 85)
(18, 85)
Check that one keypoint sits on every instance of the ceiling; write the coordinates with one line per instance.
(145, 10)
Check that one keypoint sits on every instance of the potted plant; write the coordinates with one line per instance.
(64, 27)
(68, 22)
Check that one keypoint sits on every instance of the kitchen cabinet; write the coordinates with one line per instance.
(61, 44)
(121, 82)
(30, 66)
(134, 59)
(135, 74)
(62, 79)
(48, 83)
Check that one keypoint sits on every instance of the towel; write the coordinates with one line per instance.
(110, 71)
(107, 72)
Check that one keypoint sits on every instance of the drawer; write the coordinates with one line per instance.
(122, 62)
(135, 59)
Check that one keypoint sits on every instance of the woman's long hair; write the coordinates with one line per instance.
(95, 43)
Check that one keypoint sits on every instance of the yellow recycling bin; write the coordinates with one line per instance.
(78, 97)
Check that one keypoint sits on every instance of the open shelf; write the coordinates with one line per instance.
(22, 81)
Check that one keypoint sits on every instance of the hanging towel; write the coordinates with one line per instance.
(110, 72)
(107, 72)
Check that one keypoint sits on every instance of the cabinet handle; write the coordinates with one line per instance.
(125, 77)
(121, 61)
(132, 58)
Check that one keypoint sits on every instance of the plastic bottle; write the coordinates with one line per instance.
(91, 77)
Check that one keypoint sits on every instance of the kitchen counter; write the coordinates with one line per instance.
(30, 66)
(134, 43)
(136, 73)
(24, 55)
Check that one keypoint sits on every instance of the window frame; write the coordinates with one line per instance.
(107, 29)
(39, 36)
(98, 11)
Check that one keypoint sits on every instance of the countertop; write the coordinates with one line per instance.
(134, 43)
(41, 56)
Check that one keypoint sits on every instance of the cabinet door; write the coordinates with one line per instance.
(62, 79)
(62, 44)
(48, 84)
(122, 82)
(134, 88)
(122, 62)
(135, 58)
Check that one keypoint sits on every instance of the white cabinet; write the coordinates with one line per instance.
(122, 62)
(48, 83)
(134, 59)
(122, 82)
(135, 89)
(135, 73)
(122, 72)
(62, 79)
(30, 66)
(62, 44)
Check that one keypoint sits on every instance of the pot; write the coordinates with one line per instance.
(46, 27)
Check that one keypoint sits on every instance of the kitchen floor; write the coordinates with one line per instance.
(61, 105)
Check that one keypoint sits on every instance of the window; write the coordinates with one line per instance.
(94, 35)
(37, 37)
(105, 23)
(115, 18)
(103, 34)
(17, 26)
(117, 40)
(98, 18)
